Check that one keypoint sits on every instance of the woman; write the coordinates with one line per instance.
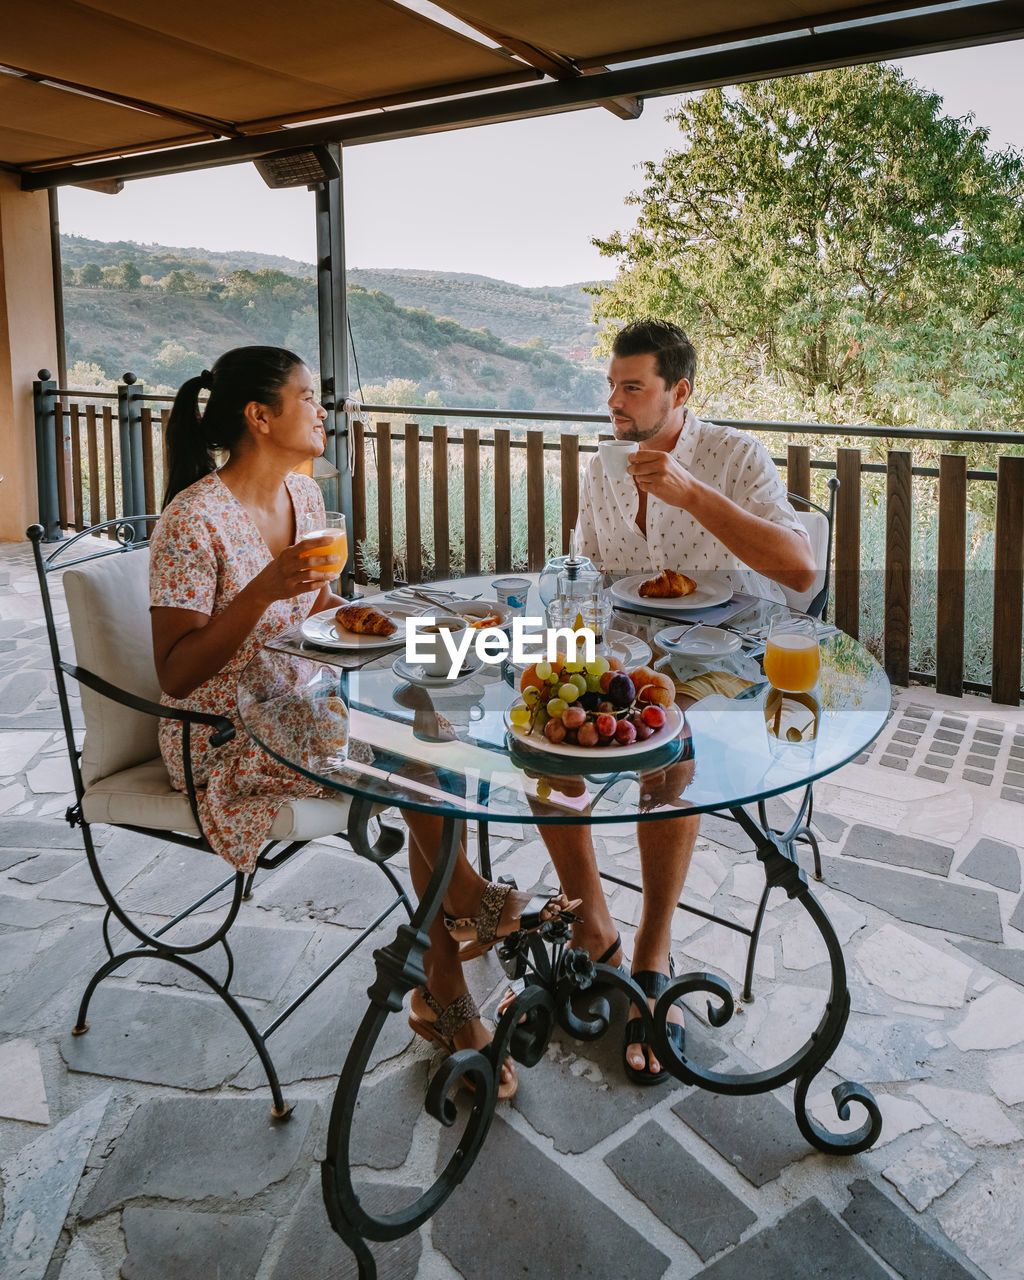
(226, 575)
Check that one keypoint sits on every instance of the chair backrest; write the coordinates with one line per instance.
(108, 607)
(818, 523)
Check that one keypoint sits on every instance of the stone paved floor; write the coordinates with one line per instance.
(144, 1150)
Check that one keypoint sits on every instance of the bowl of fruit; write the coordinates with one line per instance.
(590, 709)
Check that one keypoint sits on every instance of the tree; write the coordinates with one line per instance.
(837, 235)
(131, 276)
(90, 274)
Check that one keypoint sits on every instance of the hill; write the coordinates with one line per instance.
(164, 313)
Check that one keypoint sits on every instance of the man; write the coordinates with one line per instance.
(697, 497)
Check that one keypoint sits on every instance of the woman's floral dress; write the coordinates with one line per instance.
(204, 550)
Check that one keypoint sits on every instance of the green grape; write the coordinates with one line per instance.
(580, 681)
(567, 692)
(571, 668)
(543, 670)
(531, 695)
(556, 706)
(598, 667)
(593, 684)
(540, 718)
(520, 715)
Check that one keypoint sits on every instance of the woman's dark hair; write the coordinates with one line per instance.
(238, 377)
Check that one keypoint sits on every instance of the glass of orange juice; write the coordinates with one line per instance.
(791, 658)
(334, 526)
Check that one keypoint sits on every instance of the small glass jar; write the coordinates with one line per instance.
(549, 586)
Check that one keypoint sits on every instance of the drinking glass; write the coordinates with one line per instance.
(791, 657)
(335, 525)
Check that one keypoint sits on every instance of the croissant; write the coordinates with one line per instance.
(364, 620)
(668, 584)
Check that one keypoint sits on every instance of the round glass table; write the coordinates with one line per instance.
(370, 728)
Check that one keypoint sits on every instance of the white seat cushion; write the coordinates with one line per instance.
(143, 797)
(817, 530)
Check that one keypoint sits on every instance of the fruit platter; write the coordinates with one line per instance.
(593, 709)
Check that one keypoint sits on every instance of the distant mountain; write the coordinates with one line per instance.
(163, 313)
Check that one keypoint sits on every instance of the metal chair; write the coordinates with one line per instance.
(120, 778)
(818, 522)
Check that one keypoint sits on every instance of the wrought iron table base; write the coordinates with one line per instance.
(555, 975)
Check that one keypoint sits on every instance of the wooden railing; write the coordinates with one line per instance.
(501, 504)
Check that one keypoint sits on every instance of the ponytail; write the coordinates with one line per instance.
(238, 377)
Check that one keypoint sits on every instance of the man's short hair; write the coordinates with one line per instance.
(674, 353)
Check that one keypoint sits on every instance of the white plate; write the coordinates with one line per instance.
(699, 641)
(413, 673)
(476, 609)
(597, 757)
(709, 592)
(321, 629)
(631, 651)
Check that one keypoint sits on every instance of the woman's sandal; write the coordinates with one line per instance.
(480, 933)
(652, 984)
(447, 1024)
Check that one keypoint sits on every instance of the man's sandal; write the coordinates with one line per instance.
(652, 984)
(446, 1025)
(479, 933)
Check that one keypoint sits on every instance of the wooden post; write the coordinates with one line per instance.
(471, 496)
(536, 552)
(570, 459)
(502, 500)
(847, 542)
(93, 444)
(358, 496)
(413, 557)
(950, 594)
(798, 472)
(1008, 582)
(897, 566)
(74, 417)
(385, 520)
(442, 529)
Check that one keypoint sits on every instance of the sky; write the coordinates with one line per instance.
(517, 201)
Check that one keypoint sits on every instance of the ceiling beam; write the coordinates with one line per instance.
(939, 28)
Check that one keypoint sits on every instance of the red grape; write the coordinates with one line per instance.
(554, 730)
(573, 716)
(625, 732)
(605, 725)
(586, 735)
(654, 716)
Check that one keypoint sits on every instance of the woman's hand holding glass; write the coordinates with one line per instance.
(307, 565)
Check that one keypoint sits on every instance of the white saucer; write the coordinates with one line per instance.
(413, 672)
(699, 641)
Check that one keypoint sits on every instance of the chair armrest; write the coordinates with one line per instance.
(223, 729)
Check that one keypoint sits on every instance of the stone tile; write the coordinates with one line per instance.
(50, 776)
(327, 886)
(385, 1114)
(1017, 919)
(882, 1049)
(179, 1242)
(893, 1234)
(119, 865)
(653, 1166)
(17, 951)
(31, 833)
(911, 970)
(828, 825)
(45, 867)
(899, 1116)
(55, 981)
(30, 913)
(312, 1043)
(919, 899)
(1009, 962)
(984, 749)
(935, 775)
(899, 850)
(23, 1096)
(893, 762)
(896, 748)
(264, 960)
(807, 1244)
(953, 722)
(943, 748)
(802, 944)
(175, 877)
(980, 762)
(754, 1132)
(1006, 1078)
(12, 857)
(973, 775)
(995, 725)
(585, 1096)
(917, 712)
(1013, 794)
(988, 735)
(724, 832)
(911, 739)
(173, 1038)
(993, 1021)
(927, 1170)
(191, 1148)
(996, 863)
(550, 1225)
(974, 1117)
(80, 1263)
(985, 1221)
(310, 1249)
(948, 735)
(39, 1182)
(1013, 779)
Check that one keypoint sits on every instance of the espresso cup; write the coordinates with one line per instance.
(615, 456)
(430, 640)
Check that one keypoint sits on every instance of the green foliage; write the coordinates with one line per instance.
(833, 240)
(90, 275)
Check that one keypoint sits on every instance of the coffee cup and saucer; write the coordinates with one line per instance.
(615, 456)
(434, 670)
